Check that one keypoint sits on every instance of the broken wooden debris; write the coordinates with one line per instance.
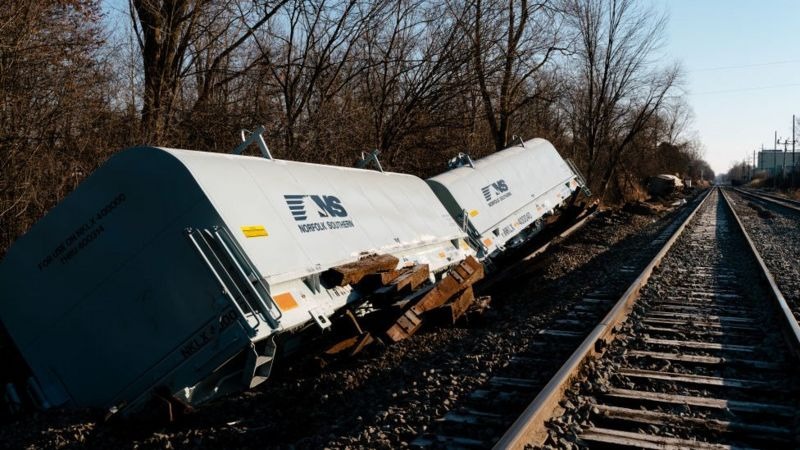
(409, 279)
(450, 312)
(352, 345)
(352, 273)
(376, 280)
(402, 291)
(458, 279)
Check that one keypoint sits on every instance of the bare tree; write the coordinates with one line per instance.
(616, 89)
(169, 34)
(511, 44)
(53, 105)
(416, 59)
(308, 55)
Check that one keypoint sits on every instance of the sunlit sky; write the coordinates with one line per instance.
(741, 60)
(742, 64)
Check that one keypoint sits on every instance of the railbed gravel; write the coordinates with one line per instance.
(777, 239)
(598, 375)
(388, 396)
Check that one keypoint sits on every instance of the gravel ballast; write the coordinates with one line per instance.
(777, 238)
(386, 397)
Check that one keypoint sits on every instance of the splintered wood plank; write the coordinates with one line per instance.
(710, 360)
(703, 402)
(408, 279)
(701, 345)
(708, 318)
(352, 273)
(380, 279)
(452, 311)
(643, 416)
(354, 344)
(458, 279)
(648, 441)
(699, 324)
(697, 379)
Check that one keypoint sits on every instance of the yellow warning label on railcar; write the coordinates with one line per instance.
(285, 301)
(473, 213)
(252, 231)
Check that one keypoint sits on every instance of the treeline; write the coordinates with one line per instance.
(419, 80)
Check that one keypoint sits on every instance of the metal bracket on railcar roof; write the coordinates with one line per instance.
(462, 159)
(255, 136)
(518, 138)
(371, 157)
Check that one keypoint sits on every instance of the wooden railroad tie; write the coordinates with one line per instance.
(354, 272)
(403, 289)
(457, 283)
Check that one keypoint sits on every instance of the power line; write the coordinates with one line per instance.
(745, 66)
(758, 88)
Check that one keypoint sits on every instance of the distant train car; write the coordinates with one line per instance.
(500, 200)
(175, 270)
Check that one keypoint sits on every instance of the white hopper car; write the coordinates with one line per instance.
(173, 271)
(500, 200)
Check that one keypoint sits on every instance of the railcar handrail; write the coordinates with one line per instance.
(226, 291)
(270, 309)
(581, 180)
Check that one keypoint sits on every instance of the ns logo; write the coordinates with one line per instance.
(322, 205)
(495, 189)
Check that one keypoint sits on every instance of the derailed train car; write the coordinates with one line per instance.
(500, 200)
(173, 272)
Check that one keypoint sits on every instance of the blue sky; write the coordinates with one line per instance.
(735, 53)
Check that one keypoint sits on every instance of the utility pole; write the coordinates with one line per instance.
(794, 141)
(786, 143)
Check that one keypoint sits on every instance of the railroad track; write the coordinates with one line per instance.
(784, 202)
(700, 353)
(774, 229)
(481, 418)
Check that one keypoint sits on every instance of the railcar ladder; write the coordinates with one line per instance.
(239, 279)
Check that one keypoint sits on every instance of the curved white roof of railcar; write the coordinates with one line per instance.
(525, 171)
(369, 211)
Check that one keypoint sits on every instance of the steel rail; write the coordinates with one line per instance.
(789, 325)
(785, 203)
(529, 428)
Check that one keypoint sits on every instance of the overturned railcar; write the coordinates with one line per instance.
(173, 271)
(500, 201)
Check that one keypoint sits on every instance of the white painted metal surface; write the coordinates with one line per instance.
(131, 282)
(503, 194)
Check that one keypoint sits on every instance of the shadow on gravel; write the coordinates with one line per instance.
(394, 391)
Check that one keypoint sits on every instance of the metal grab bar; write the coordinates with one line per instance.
(270, 310)
(225, 290)
(581, 180)
(238, 293)
(254, 272)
